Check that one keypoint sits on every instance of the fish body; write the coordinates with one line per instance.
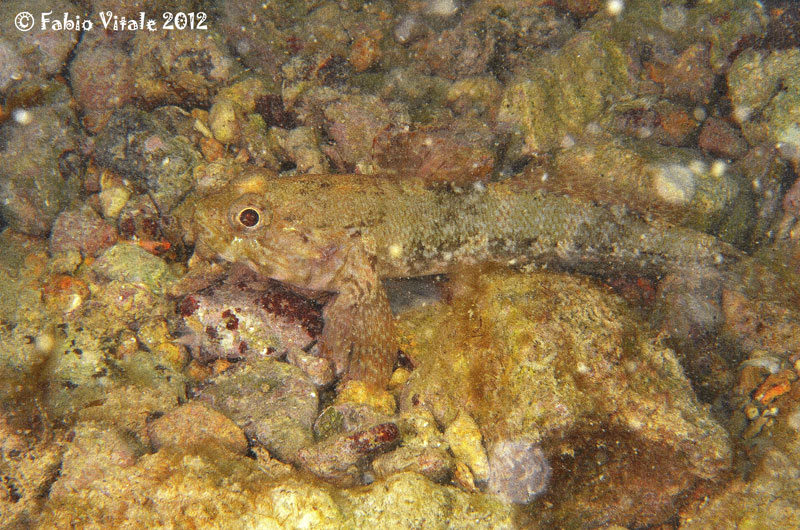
(344, 233)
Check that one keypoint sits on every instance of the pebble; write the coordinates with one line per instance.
(466, 442)
(33, 189)
(102, 80)
(720, 138)
(153, 157)
(273, 402)
(342, 459)
(246, 316)
(194, 425)
(81, 230)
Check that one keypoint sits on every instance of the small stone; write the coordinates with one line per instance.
(690, 77)
(340, 459)
(113, 200)
(466, 442)
(357, 392)
(318, 369)
(273, 402)
(131, 263)
(225, 121)
(95, 451)
(399, 378)
(102, 80)
(463, 478)
(153, 332)
(212, 149)
(81, 230)
(194, 425)
(432, 462)
(721, 139)
(172, 354)
(364, 53)
(153, 156)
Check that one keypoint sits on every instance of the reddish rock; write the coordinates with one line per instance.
(342, 458)
(195, 424)
(690, 76)
(83, 231)
(454, 53)
(437, 155)
(721, 139)
(102, 81)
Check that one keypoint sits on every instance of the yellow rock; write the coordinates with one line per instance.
(466, 442)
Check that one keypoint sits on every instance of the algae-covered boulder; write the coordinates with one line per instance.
(555, 361)
(566, 90)
(213, 488)
(765, 92)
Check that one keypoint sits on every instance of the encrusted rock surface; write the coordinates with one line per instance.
(554, 361)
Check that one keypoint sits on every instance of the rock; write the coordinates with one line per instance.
(433, 463)
(341, 459)
(137, 147)
(139, 219)
(466, 442)
(94, 452)
(33, 189)
(354, 123)
(28, 470)
(195, 424)
(273, 402)
(347, 418)
(224, 119)
(407, 500)
(567, 368)
(545, 107)
(760, 328)
(82, 231)
(437, 155)
(454, 53)
(765, 91)
(246, 316)
(767, 499)
(130, 263)
(721, 139)
(180, 67)
(261, 499)
(102, 80)
(690, 76)
(318, 369)
(37, 53)
(689, 304)
(130, 407)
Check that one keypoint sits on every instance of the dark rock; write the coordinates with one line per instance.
(137, 147)
(721, 139)
(342, 458)
(273, 402)
(32, 187)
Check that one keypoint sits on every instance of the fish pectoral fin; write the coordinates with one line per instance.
(359, 336)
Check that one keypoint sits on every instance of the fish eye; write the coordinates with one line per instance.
(249, 217)
(249, 213)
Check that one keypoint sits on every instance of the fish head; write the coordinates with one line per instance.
(256, 220)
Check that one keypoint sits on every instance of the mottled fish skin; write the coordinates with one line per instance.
(343, 233)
